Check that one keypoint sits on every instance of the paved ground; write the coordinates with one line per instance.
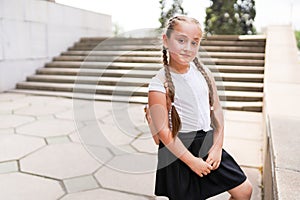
(57, 148)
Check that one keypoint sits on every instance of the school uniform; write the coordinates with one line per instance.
(174, 179)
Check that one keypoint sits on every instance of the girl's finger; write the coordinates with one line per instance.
(210, 161)
(215, 166)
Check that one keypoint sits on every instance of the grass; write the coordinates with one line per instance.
(297, 34)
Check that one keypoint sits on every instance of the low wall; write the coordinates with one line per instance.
(34, 31)
(281, 174)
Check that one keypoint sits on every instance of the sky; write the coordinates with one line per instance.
(130, 15)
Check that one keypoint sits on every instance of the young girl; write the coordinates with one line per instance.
(186, 120)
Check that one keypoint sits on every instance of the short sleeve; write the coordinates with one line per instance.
(156, 85)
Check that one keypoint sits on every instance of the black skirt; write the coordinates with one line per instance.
(175, 180)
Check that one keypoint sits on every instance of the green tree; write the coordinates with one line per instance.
(234, 17)
(297, 34)
(176, 8)
(247, 12)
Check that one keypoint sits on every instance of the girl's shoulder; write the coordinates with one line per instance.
(160, 75)
(157, 82)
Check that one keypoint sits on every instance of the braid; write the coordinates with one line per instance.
(208, 81)
(174, 119)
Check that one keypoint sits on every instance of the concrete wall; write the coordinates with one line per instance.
(34, 31)
(281, 175)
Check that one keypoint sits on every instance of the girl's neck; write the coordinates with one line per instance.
(179, 69)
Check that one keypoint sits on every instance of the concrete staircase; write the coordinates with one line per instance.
(120, 69)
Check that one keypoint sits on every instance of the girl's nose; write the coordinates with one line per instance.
(187, 47)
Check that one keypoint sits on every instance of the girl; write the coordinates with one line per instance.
(186, 120)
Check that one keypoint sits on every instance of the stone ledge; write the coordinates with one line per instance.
(281, 115)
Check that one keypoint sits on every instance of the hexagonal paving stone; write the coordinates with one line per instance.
(126, 117)
(48, 127)
(124, 174)
(102, 194)
(82, 114)
(145, 144)
(43, 100)
(7, 96)
(7, 131)
(8, 107)
(41, 109)
(115, 135)
(11, 121)
(81, 183)
(136, 113)
(102, 135)
(90, 111)
(13, 147)
(16, 186)
(62, 161)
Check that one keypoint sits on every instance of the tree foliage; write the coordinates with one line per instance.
(234, 17)
(297, 34)
(165, 14)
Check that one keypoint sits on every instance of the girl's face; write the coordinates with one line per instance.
(183, 43)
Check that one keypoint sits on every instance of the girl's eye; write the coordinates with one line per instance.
(194, 43)
(180, 40)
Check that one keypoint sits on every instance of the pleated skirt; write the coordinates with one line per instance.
(175, 180)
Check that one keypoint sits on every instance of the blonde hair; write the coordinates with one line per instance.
(174, 120)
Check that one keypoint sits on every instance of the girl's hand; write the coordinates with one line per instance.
(214, 157)
(200, 167)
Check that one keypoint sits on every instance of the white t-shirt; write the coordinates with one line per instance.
(191, 97)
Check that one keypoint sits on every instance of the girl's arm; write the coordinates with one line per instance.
(159, 125)
(217, 117)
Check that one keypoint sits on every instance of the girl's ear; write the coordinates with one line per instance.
(165, 41)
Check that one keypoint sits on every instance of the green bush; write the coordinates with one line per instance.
(297, 33)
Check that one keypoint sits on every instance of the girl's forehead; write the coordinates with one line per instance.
(188, 29)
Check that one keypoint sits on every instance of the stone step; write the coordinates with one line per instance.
(242, 106)
(128, 59)
(104, 65)
(234, 49)
(92, 80)
(85, 88)
(131, 59)
(236, 69)
(240, 96)
(243, 77)
(148, 66)
(158, 48)
(239, 77)
(128, 90)
(108, 42)
(119, 40)
(240, 86)
(117, 48)
(113, 53)
(85, 96)
(97, 72)
(127, 81)
(255, 56)
(232, 43)
(236, 37)
(211, 37)
(231, 55)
